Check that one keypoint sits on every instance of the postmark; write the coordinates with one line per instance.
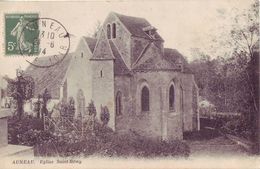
(14, 32)
(53, 42)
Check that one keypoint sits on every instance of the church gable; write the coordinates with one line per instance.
(102, 49)
(131, 35)
(117, 32)
(153, 59)
(134, 44)
(148, 52)
(85, 48)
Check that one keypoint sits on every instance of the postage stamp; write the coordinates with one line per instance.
(20, 33)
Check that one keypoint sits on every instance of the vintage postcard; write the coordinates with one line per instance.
(129, 84)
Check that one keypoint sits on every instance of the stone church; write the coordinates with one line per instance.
(147, 88)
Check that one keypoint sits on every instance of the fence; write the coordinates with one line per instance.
(65, 124)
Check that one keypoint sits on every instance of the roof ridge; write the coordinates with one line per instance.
(97, 43)
(119, 53)
(129, 16)
(118, 58)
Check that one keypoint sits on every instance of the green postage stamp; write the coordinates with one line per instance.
(20, 33)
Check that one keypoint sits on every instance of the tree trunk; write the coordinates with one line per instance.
(19, 108)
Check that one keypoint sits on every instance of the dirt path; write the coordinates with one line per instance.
(219, 146)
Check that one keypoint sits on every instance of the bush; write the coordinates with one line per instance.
(104, 115)
(238, 127)
(131, 145)
(32, 137)
(107, 143)
(103, 141)
(17, 128)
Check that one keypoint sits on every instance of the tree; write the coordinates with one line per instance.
(104, 116)
(245, 37)
(245, 32)
(20, 89)
(71, 109)
(67, 109)
(209, 79)
(92, 109)
(37, 106)
(92, 113)
(228, 81)
(45, 98)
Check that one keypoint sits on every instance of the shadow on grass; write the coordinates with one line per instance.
(203, 134)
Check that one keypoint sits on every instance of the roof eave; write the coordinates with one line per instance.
(101, 59)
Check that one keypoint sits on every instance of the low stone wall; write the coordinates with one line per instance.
(5, 148)
(4, 113)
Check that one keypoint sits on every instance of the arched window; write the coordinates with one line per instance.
(118, 103)
(113, 30)
(108, 31)
(145, 99)
(171, 97)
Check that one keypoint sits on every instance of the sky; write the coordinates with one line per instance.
(183, 24)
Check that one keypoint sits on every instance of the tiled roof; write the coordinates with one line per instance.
(50, 78)
(172, 56)
(91, 42)
(135, 25)
(120, 67)
(155, 63)
(167, 62)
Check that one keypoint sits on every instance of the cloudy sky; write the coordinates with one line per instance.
(184, 24)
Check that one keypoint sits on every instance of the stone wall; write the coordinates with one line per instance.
(3, 131)
(103, 87)
(160, 122)
(123, 85)
(79, 75)
(158, 84)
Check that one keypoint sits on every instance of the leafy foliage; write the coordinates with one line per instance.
(104, 115)
(66, 109)
(17, 128)
(104, 142)
(92, 109)
(230, 81)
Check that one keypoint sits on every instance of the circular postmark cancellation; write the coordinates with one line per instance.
(45, 41)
